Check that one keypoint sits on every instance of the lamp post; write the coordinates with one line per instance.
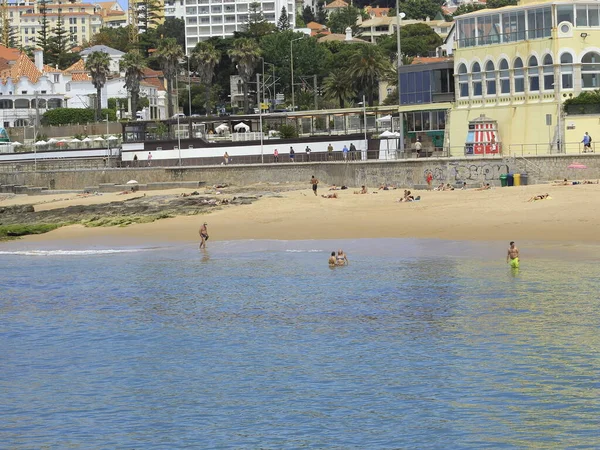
(177, 132)
(260, 123)
(190, 97)
(399, 17)
(292, 70)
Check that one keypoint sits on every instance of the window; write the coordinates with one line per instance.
(590, 71)
(463, 81)
(513, 26)
(564, 13)
(586, 15)
(56, 78)
(466, 32)
(476, 78)
(24, 92)
(581, 14)
(548, 71)
(504, 77)
(488, 29)
(490, 78)
(539, 22)
(566, 70)
(534, 75)
(519, 76)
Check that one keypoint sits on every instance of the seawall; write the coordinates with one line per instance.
(404, 173)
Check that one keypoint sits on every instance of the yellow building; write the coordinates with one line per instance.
(516, 65)
(80, 20)
(158, 10)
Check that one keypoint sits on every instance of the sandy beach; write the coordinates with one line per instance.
(570, 215)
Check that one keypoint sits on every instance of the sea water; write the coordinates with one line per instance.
(259, 344)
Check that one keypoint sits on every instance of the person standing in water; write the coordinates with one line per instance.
(203, 235)
(341, 258)
(332, 260)
(314, 183)
(512, 256)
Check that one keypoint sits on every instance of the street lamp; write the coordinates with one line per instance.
(177, 113)
(292, 70)
(263, 78)
(399, 17)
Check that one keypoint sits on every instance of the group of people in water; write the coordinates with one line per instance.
(338, 260)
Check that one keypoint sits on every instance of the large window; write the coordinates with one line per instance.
(566, 70)
(488, 29)
(490, 78)
(426, 121)
(539, 22)
(476, 76)
(415, 87)
(534, 75)
(463, 81)
(587, 16)
(513, 26)
(564, 13)
(466, 32)
(548, 73)
(504, 77)
(519, 76)
(590, 71)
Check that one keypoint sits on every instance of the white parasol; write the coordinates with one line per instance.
(241, 126)
(388, 135)
(16, 143)
(87, 139)
(132, 182)
(99, 139)
(52, 141)
(112, 138)
(385, 118)
(74, 141)
(221, 128)
(40, 143)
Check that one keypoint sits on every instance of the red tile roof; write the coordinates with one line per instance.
(337, 4)
(376, 11)
(78, 71)
(9, 54)
(23, 67)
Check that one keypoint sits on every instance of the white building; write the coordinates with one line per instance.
(175, 8)
(115, 55)
(211, 18)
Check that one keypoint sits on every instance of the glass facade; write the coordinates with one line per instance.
(420, 87)
(425, 121)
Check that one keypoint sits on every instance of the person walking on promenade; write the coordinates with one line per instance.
(587, 142)
(307, 150)
(353, 152)
(292, 154)
(314, 183)
(345, 153)
(275, 156)
(330, 152)
(226, 158)
(149, 159)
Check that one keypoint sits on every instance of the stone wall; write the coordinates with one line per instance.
(408, 173)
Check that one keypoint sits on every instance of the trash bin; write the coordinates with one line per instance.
(503, 180)
(524, 178)
(517, 179)
(510, 180)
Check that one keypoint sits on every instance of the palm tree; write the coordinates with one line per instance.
(133, 65)
(205, 57)
(338, 85)
(98, 65)
(245, 53)
(366, 67)
(169, 53)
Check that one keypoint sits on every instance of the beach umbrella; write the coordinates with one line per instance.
(62, 140)
(40, 143)
(16, 143)
(112, 138)
(221, 128)
(52, 141)
(132, 182)
(388, 135)
(241, 126)
(74, 141)
(87, 139)
(385, 118)
(99, 139)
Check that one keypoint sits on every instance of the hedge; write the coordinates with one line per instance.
(69, 116)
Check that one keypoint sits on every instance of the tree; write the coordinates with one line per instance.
(257, 26)
(117, 38)
(149, 14)
(9, 34)
(493, 4)
(344, 18)
(169, 53)
(97, 65)
(321, 13)
(43, 37)
(466, 8)
(367, 67)
(133, 65)
(172, 28)
(204, 59)
(283, 23)
(338, 86)
(418, 39)
(308, 15)
(420, 9)
(59, 46)
(245, 53)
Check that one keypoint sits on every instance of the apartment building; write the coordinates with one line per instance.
(80, 20)
(113, 15)
(221, 18)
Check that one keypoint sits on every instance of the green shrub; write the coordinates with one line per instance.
(12, 231)
(288, 131)
(68, 116)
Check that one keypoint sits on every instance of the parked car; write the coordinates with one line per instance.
(176, 115)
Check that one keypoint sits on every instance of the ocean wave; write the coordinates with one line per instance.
(68, 252)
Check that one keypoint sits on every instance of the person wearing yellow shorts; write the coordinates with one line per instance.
(512, 257)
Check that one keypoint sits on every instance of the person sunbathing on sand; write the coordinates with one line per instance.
(387, 187)
(484, 187)
(539, 197)
(590, 182)
(564, 182)
(333, 195)
(448, 187)
(408, 197)
(363, 190)
(439, 188)
(334, 188)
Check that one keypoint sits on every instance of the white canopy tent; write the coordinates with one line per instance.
(241, 126)
(99, 139)
(112, 138)
(40, 143)
(52, 141)
(387, 118)
(74, 141)
(222, 128)
(87, 139)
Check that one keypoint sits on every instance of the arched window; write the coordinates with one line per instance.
(548, 73)
(534, 75)
(21, 103)
(566, 70)
(490, 78)
(463, 81)
(519, 76)
(476, 78)
(590, 71)
(504, 77)
(6, 104)
(21, 123)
